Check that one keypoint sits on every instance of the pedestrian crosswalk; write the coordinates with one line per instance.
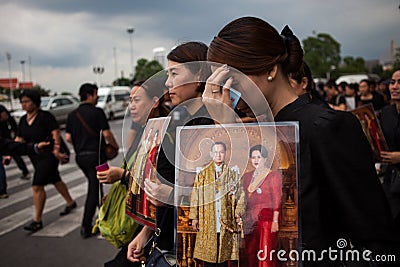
(18, 209)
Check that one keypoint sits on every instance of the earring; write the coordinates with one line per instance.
(270, 78)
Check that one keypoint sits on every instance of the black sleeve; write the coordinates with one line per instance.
(354, 198)
(9, 147)
(342, 100)
(50, 121)
(166, 174)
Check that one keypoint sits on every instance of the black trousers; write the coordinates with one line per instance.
(87, 162)
(21, 164)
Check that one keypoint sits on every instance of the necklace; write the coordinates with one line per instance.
(31, 117)
(257, 180)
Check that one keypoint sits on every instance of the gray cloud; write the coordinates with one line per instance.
(74, 35)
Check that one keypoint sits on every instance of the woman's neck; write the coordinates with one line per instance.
(397, 104)
(283, 96)
(194, 106)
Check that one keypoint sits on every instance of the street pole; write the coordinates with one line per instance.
(9, 80)
(130, 31)
(23, 72)
(98, 70)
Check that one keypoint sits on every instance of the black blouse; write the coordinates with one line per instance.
(340, 193)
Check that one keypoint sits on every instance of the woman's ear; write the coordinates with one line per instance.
(272, 73)
(304, 82)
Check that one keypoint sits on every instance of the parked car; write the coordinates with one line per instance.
(60, 106)
(113, 100)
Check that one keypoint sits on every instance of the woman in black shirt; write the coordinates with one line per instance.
(34, 127)
(339, 192)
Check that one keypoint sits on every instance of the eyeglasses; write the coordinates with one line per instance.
(25, 101)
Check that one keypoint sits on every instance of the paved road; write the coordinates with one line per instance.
(59, 242)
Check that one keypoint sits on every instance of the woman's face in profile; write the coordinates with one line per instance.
(140, 105)
(394, 86)
(182, 84)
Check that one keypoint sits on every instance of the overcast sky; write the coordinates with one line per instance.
(64, 39)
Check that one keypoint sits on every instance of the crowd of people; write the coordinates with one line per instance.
(340, 194)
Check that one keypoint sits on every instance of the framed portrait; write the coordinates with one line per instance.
(372, 129)
(236, 193)
(144, 167)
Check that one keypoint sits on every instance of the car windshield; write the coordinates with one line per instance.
(101, 98)
(45, 101)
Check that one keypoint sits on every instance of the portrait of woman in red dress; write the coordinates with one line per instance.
(263, 188)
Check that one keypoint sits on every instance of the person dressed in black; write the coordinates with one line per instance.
(83, 129)
(302, 82)
(390, 123)
(340, 195)
(38, 126)
(368, 96)
(7, 127)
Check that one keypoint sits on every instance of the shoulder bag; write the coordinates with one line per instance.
(158, 257)
(108, 150)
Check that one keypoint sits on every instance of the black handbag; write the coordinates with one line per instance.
(395, 181)
(158, 257)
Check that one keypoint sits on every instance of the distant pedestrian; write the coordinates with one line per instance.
(37, 126)
(82, 125)
(8, 129)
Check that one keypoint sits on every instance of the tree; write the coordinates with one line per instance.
(322, 53)
(122, 82)
(353, 65)
(145, 69)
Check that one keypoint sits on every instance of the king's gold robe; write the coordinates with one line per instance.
(203, 209)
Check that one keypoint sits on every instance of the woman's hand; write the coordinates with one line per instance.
(110, 176)
(137, 245)
(157, 192)
(390, 157)
(274, 227)
(218, 103)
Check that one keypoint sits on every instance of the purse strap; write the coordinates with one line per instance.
(90, 130)
(158, 230)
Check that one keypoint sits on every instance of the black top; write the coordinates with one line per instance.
(339, 192)
(378, 101)
(95, 118)
(338, 100)
(390, 124)
(166, 169)
(41, 128)
(7, 126)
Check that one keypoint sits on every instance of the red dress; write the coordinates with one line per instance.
(142, 203)
(257, 223)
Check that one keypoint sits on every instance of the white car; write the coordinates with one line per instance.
(60, 106)
(113, 100)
